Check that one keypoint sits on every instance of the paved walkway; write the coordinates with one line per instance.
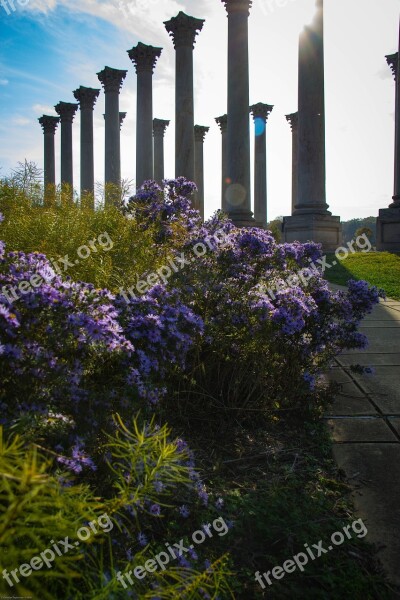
(365, 422)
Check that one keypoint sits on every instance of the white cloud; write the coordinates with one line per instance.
(4, 82)
(43, 109)
(22, 121)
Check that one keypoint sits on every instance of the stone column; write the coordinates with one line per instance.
(293, 120)
(260, 114)
(112, 80)
(66, 111)
(311, 219)
(223, 125)
(87, 99)
(199, 135)
(49, 125)
(388, 222)
(239, 189)
(183, 30)
(144, 58)
(159, 127)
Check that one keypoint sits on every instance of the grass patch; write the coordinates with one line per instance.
(378, 268)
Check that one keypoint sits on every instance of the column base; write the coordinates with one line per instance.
(243, 218)
(323, 229)
(388, 230)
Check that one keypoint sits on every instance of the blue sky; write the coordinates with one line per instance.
(49, 48)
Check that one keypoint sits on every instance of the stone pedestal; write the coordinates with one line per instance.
(199, 135)
(293, 120)
(49, 125)
(87, 98)
(260, 114)
(144, 58)
(239, 189)
(159, 127)
(223, 125)
(183, 30)
(66, 111)
(388, 222)
(311, 219)
(112, 80)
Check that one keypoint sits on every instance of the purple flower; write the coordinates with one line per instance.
(155, 509)
(142, 539)
(184, 511)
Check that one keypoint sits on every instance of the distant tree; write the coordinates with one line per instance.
(275, 227)
(349, 228)
(367, 231)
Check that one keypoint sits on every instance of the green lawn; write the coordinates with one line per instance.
(378, 268)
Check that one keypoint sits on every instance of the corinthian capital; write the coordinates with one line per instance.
(293, 120)
(393, 62)
(235, 6)
(183, 29)
(261, 111)
(86, 97)
(159, 127)
(222, 122)
(49, 124)
(200, 133)
(144, 57)
(111, 79)
(66, 110)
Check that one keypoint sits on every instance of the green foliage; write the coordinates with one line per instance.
(62, 230)
(349, 228)
(36, 510)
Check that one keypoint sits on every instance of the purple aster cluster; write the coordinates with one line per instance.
(165, 206)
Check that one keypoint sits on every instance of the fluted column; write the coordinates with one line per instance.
(183, 30)
(260, 114)
(199, 135)
(388, 223)
(87, 99)
(144, 58)
(66, 111)
(112, 80)
(293, 120)
(239, 190)
(223, 125)
(49, 125)
(159, 127)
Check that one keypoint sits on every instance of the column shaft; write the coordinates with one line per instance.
(239, 191)
(87, 98)
(144, 57)
(184, 29)
(311, 129)
(260, 114)
(159, 127)
(396, 195)
(293, 121)
(112, 80)
(223, 124)
(49, 125)
(67, 111)
(199, 134)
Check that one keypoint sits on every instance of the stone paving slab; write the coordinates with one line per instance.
(367, 359)
(343, 405)
(360, 429)
(374, 473)
(365, 425)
